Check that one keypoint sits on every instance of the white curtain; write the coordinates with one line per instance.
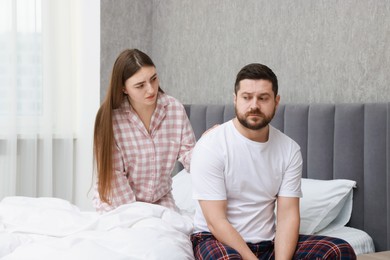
(38, 99)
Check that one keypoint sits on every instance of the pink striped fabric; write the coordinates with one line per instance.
(143, 161)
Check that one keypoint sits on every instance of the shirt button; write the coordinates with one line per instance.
(152, 158)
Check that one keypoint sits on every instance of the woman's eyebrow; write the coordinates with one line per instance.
(142, 82)
(139, 83)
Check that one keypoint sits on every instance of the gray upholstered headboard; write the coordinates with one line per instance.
(338, 141)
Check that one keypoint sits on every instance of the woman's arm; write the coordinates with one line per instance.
(121, 192)
(187, 142)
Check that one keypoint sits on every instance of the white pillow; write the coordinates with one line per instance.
(325, 204)
(182, 192)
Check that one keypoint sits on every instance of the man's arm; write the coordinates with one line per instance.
(287, 228)
(214, 212)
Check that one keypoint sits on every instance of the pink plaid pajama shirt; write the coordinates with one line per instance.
(143, 161)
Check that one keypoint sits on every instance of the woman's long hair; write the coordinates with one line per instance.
(126, 65)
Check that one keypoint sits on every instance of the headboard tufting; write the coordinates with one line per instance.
(338, 141)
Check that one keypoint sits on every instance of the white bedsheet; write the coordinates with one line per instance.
(360, 241)
(49, 228)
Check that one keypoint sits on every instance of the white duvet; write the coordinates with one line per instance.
(50, 228)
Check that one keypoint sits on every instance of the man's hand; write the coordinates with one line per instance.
(214, 212)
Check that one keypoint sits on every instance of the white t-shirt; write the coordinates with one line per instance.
(250, 175)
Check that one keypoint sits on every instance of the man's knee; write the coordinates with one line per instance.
(211, 249)
(321, 247)
(340, 249)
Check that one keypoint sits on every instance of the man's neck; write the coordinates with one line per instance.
(260, 135)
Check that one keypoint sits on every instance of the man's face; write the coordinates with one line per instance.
(255, 103)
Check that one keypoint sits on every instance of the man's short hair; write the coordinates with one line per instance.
(256, 71)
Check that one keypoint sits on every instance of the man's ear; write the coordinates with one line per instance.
(277, 100)
(234, 98)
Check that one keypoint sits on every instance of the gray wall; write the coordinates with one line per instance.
(321, 51)
(124, 24)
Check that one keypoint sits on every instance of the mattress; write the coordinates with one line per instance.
(360, 241)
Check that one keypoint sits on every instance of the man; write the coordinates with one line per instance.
(240, 170)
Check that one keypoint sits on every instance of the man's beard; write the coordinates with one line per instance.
(263, 121)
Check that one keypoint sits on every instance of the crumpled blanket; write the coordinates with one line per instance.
(51, 228)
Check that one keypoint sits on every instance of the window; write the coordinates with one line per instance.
(20, 58)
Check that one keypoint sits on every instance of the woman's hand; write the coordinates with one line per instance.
(211, 128)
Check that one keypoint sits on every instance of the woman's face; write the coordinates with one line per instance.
(142, 87)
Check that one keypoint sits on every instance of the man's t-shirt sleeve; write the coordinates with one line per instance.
(291, 183)
(207, 171)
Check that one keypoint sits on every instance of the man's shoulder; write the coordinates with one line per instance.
(215, 138)
(210, 148)
(282, 138)
(216, 132)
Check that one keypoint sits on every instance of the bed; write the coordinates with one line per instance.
(346, 171)
(52, 228)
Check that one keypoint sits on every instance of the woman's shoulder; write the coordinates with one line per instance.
(123, 108)
(170, 101)
(169, 98)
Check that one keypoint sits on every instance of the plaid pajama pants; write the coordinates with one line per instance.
(206, 247)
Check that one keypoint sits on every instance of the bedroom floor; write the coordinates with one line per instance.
(385, 255)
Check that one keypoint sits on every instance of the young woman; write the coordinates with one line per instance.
(140, 133)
